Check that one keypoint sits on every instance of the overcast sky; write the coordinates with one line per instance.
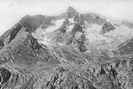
(12, 10)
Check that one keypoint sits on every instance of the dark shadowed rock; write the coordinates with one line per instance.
(1, 44)
(5, 75)
(107, 27)
(126, 47)
(32, 22)
(14, 32)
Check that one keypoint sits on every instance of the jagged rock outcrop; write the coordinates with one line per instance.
(126, 47)
(107, 27)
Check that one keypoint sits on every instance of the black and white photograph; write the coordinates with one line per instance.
(66, 44)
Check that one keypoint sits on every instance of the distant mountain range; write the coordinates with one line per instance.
(70, 51)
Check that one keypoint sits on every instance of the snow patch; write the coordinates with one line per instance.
(71, 20)
(121, 33)
(43, 34)
(92, 33)
(70, 27)
(57, 24)
(93, 28)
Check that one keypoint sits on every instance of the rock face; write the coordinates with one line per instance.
(107, 27)
(69, 51)
(126, 47)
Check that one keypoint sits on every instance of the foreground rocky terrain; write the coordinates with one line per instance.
(69, 51)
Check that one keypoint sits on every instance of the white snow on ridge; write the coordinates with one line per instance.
(92, 33)
(117, 36)
(70, 27)
(71, 20)
(43, 34)
(121, 33)
(93, 28)
(112, 38)
(57, 24)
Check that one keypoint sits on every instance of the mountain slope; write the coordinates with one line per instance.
(69, 51)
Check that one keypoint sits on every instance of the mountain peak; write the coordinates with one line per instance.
(71, 11)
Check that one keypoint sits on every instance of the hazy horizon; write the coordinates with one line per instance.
(11, 11)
